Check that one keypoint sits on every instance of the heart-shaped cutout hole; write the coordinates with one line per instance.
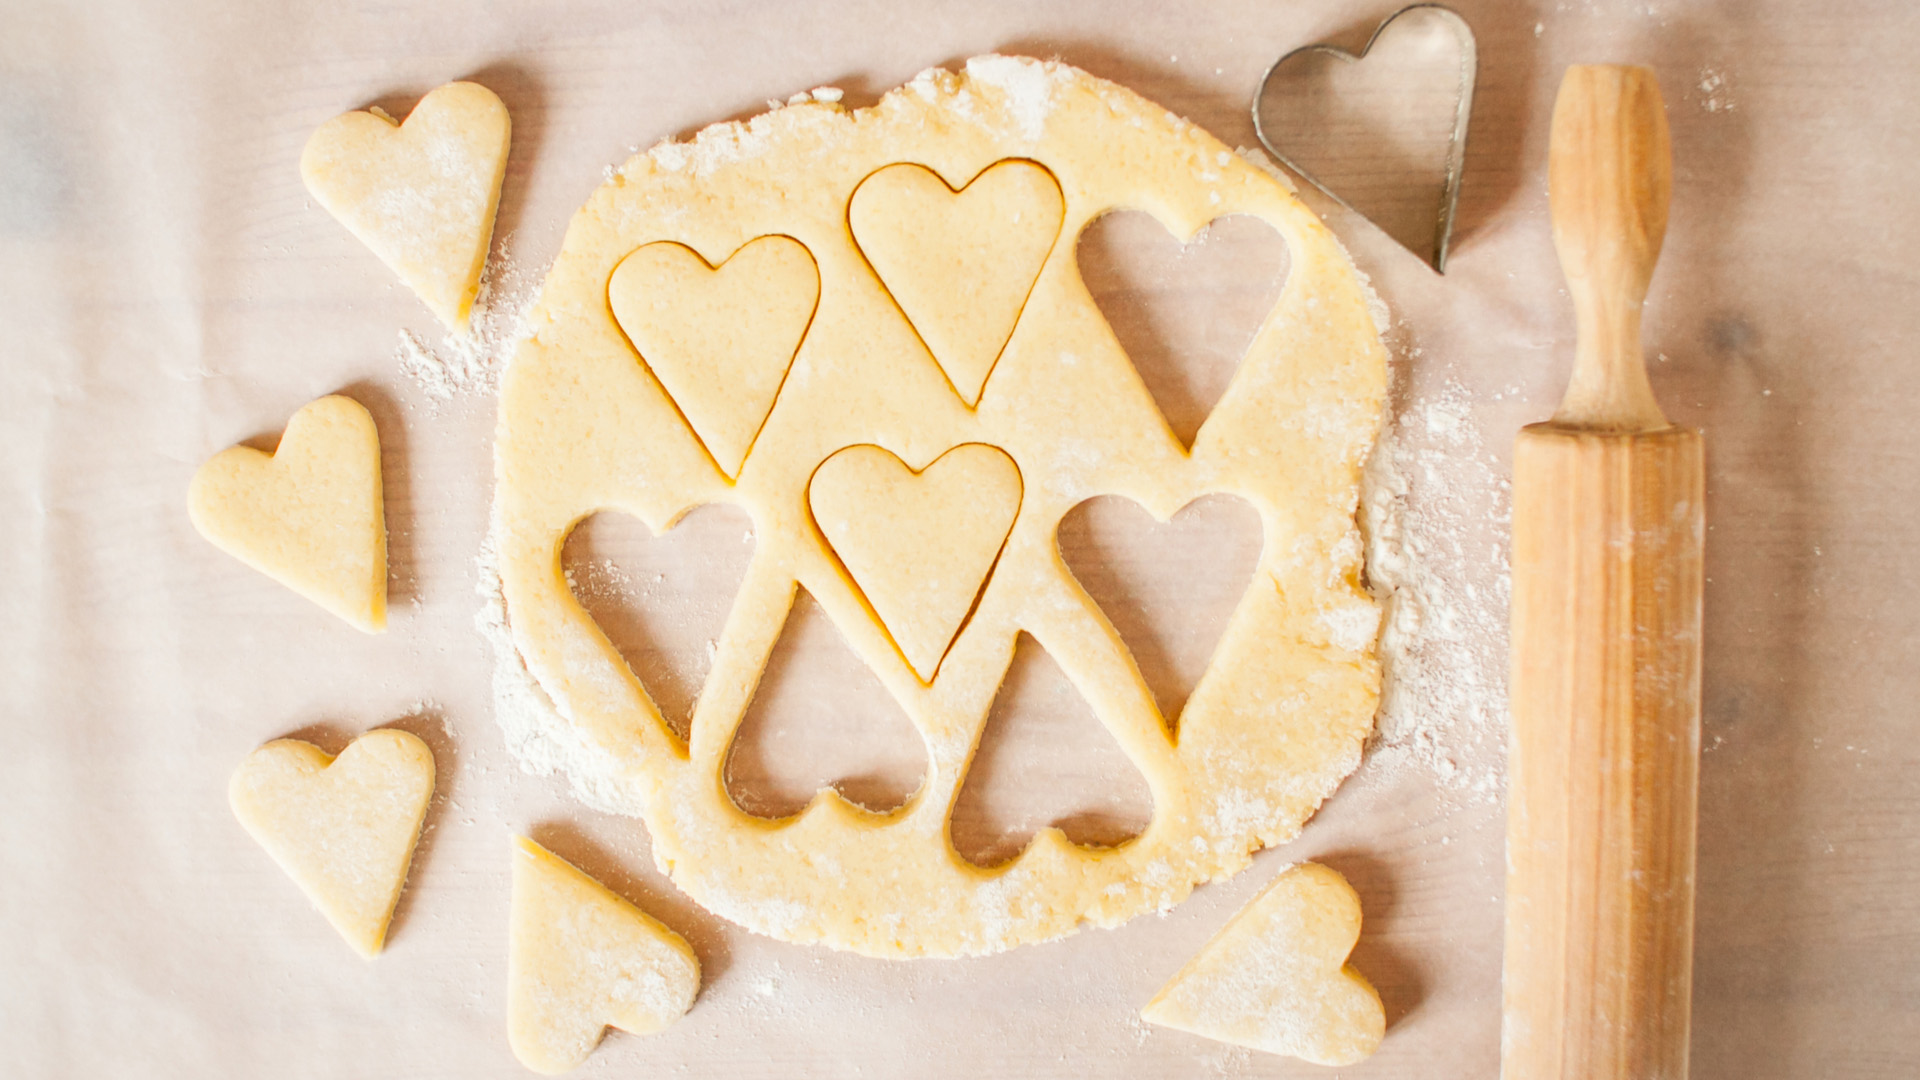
(1169, 589)
(821, 718)
(1385, 131)
(662, 600)
(1184, 313)
(1045, 759)
(719, 338)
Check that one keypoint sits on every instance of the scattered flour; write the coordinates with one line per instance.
(1435, 513)
(470, 364)
(1715, 95)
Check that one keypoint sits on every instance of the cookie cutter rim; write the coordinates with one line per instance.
(1456, 147)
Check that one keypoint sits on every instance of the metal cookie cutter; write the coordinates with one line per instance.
(1441, 17)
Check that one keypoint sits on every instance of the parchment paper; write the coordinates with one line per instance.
(167, 289)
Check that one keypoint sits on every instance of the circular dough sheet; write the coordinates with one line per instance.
(587, 424)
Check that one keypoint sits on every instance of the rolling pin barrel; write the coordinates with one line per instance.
(1608, 529)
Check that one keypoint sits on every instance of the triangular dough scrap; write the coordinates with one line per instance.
(581, 959)
(309, 515)
(959, 263)
(421, 194)
(919, 544)
(720, 339)
(343, 828)
(1276, 979)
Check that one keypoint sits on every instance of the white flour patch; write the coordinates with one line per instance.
(1435, 513)
(1715, 92)
(470, 364)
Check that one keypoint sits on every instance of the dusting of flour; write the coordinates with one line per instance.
(468, 364)
(1435, 512)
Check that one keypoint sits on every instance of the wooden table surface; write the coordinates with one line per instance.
(167, 289)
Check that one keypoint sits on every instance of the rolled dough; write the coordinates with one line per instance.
(586, 425)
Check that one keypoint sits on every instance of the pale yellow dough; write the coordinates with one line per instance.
(586, 425)
(720, 339)
(309, 515)
(1276, 978)
(959, 263)
(581, 959)
(918, 544)
(421, 194)
(343, 828)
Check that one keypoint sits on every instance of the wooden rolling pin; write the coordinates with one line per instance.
(1607, 536)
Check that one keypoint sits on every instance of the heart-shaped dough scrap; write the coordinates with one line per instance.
(343, 828)
(421, 194)
(581, 959)
(918, 544)
(1276, 979)
(308, 515)
(720, 339)
(959, 263)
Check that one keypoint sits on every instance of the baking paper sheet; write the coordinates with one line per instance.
(168, 289)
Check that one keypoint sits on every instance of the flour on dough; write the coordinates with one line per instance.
(1276, 978)
(421, 194)
(581, 959)
(310, 514)
(919, 345)
(342, 828)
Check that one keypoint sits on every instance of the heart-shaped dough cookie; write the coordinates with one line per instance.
(918, 544)
(308, 515)
(343, 828)
(581, 959)
(421, 194)
(720, 339)
(959, 263)
(1276, 979)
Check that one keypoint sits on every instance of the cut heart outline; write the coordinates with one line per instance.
(960, 263)
(722, 338)
(793, 744)
(1129, 564)
(662, 599)
(920, 561)
(1015, 784)
(1185, 312)
(1425, 229)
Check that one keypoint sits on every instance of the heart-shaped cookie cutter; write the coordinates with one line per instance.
(1456, 147)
